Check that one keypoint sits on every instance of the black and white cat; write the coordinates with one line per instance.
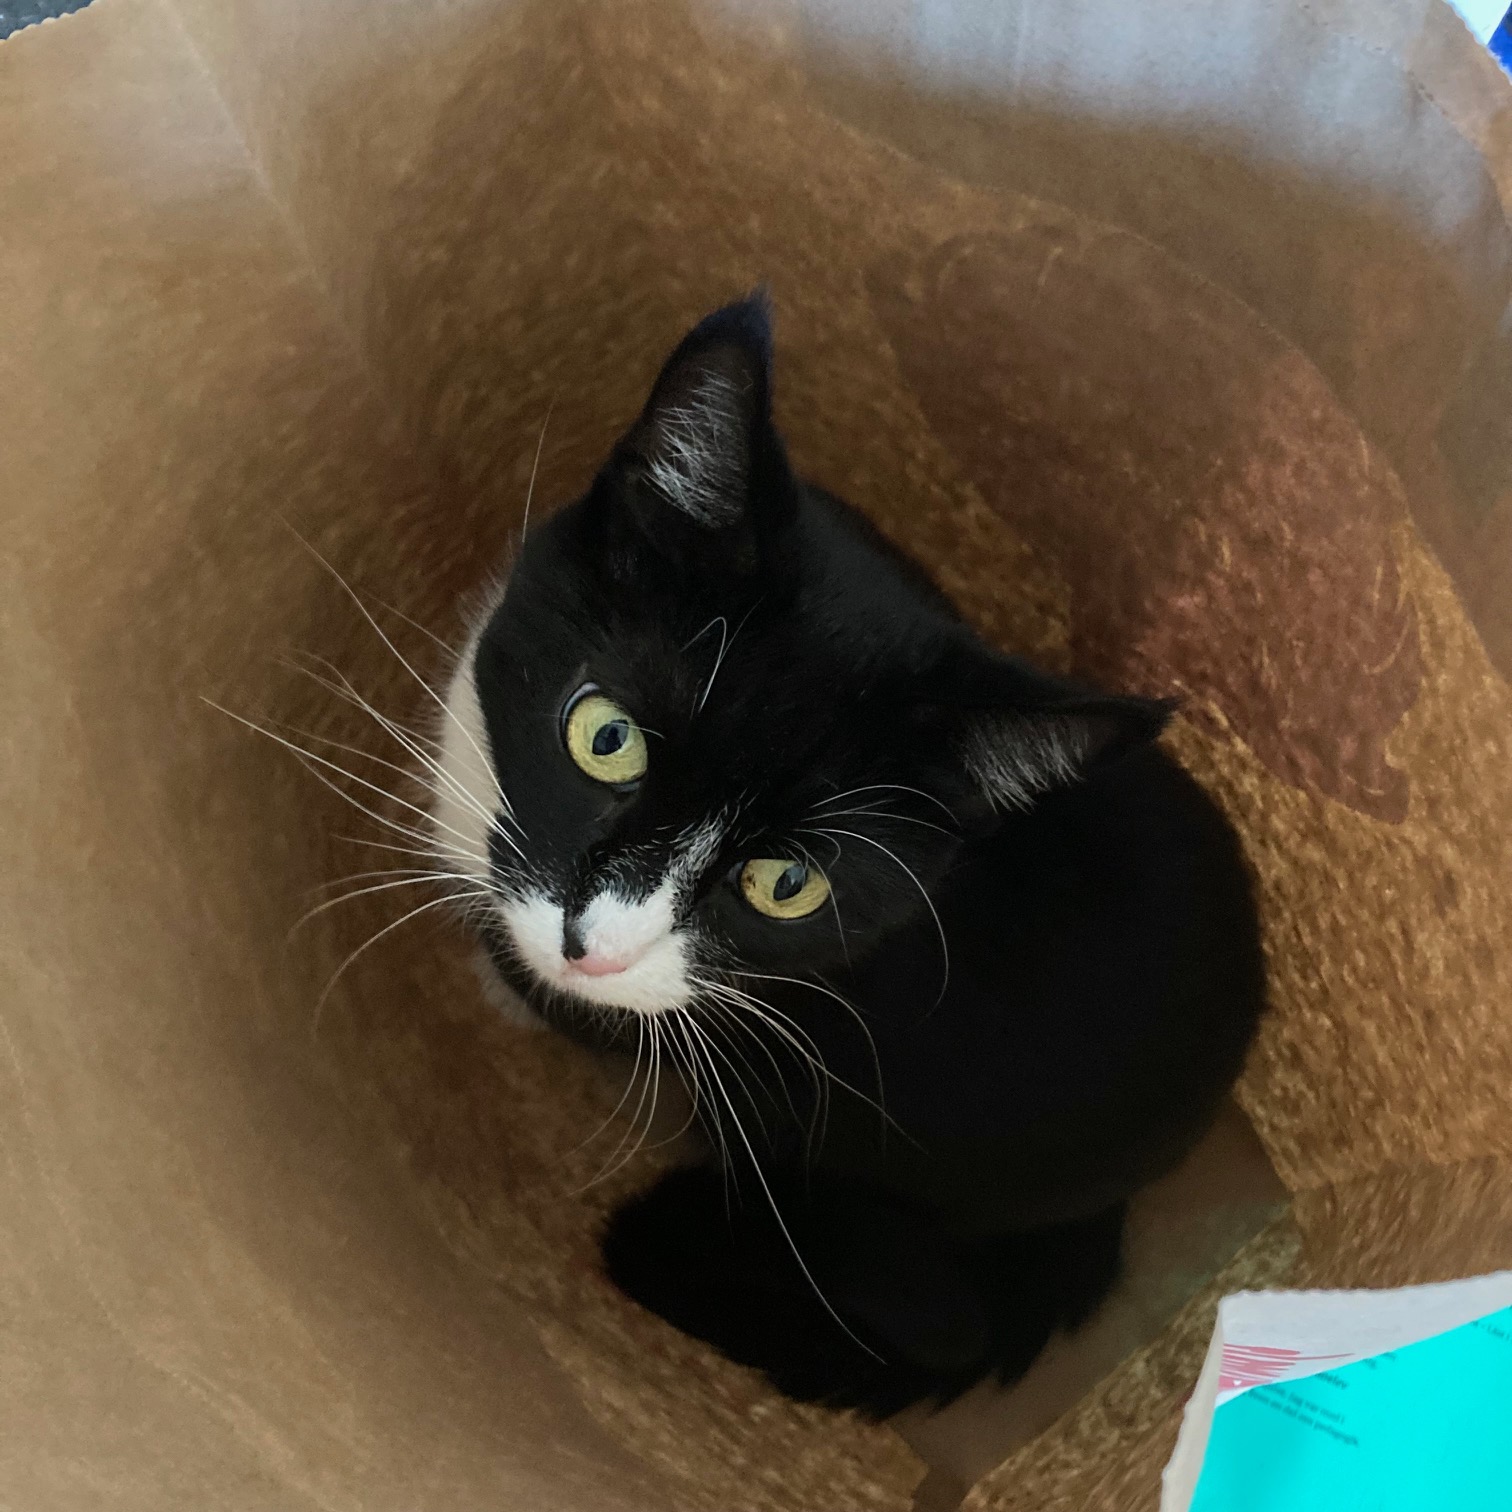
(758, 794)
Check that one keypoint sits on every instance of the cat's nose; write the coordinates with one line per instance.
(596, 965)
(603, 942)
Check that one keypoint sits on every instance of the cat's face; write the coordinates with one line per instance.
(716, 728)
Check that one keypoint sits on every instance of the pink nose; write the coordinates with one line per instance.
(599, 965)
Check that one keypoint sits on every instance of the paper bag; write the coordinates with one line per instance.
(1172, 338)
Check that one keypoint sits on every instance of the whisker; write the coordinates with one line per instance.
(832, 900)
(891, 787)
(399, 655)
(392, 871)
(888, 814)
(736, 1013)
(727, 1016)
(324, 673)
(534, 466)
(923, 893)
(415, 624)
(712, 1121)
(609, 1167)
(724, 647)
(412, 742)
(689, 644)
(712, 1050)
(393, 766)
(779, 1019)
(855, 1013)
(785, 1026)
(724, 636)
(430, 845)
(435, 852)
(378, 887)
(362, 949)
(306, 755)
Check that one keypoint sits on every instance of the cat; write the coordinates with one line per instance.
(952, 956)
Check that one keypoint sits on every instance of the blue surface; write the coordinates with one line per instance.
(14, 14)
(1501, 42)
(1422, 1429)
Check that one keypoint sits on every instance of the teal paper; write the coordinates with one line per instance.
(1420, 1429)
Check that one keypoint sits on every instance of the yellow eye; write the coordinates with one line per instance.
(604, 740)
(783, 889)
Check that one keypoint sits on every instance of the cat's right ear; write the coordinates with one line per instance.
(701, 473)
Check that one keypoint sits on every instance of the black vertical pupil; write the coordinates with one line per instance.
(790, 883)
(611, 737)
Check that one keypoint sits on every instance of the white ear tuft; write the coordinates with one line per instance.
(1014, 757)
(699, 452)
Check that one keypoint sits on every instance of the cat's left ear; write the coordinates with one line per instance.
(702, 467)
(1017, 732)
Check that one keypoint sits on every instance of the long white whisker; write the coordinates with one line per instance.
(724, 647)
(724, 638)
(534, 466)
(796, 1037)
(430, 844)
(833, 900)
(688, 645)
(378, 887)
(736, 1012)
(888, 814)
(439, 874)
(324, 673)
(383, 886)
(415, 624)
(383, 635)
(712, 1121)
(829, 992)
(728, 1015)
(668, 1021)
(808, 1275)
(306, 755)
(393, 766)
(891, 787)
(612, 1164)
(433, 844)
(433, 852)
(855, 1013)
(653, 1085)
(362, 949)
(923, 893)
(777, 1019)
(413, 743)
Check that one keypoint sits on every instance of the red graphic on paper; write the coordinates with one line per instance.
(1244, 1365)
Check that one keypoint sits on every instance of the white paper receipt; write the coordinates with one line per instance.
(1370, 1401)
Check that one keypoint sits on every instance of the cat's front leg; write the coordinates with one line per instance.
(845, 1299)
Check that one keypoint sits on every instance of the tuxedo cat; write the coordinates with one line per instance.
(950, 954)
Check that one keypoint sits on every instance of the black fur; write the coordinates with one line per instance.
(1105, 973)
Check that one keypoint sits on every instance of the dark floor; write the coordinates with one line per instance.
(14, 14)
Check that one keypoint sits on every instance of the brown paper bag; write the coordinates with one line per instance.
(1173, 337)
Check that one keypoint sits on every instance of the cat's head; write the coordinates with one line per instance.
(717, 725)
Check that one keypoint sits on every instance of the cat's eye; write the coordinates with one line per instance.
(783, 889)
(603, 739)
